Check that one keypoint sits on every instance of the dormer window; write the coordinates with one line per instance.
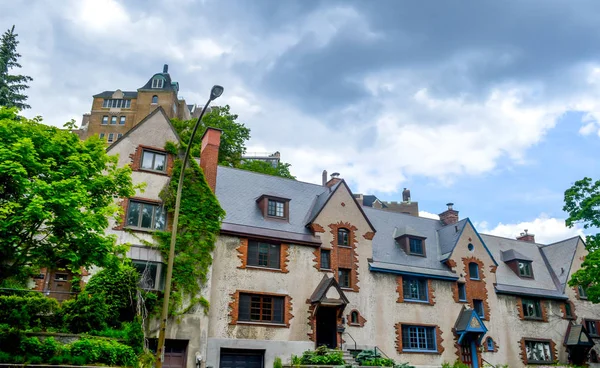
(158, 82)
(525, 269)
(343, 237)
(274, 207)
(415, 246)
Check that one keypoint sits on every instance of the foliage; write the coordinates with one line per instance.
(582, 202)
(57, 194)
(456, 364)
(200, 217)
(233, 137)
(28, 312)
(372, 358)
(263, 167)
(277, 363)
(86, 313)
(118, 285)
(322, 356)
(11, 86)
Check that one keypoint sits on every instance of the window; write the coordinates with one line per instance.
(489, 344)
(105, 120)
(415, 289)
(119, 135)
(568, 310)
(276, 208)
(591, 327)
(582, 292)
(261, 308)
(415, 246)
(122, 120)
(263, 254)
(146, 216)
(538, 352)
(155, 99)
(158, 83)
(478, 307)
(354, 318)
(473, 271)
(113, 120)
(525, 269)
(116, 103)
(152, 160)
(111, 137)
(343, 237)
(101, 135)
(344, 277)
(531, 308)
(462, 292)
(325, 259)
(152, 276)
(418, 338)
(63, 277)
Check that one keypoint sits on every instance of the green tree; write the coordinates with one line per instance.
(56, 197)
(582, 203)
(282, 169)
(11, 86)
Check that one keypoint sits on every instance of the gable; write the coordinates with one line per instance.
(470, 244)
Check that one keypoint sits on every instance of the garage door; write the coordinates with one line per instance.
(238, 358)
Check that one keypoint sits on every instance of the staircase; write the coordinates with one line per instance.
(349, 359)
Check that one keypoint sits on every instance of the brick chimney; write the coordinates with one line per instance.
(335, 178)
(525, 236)
(450, 216)
(209, 155)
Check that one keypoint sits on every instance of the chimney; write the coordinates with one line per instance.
(335, 178)
(165, 68)
(209, 155)
(324, 179)
(450, 216)
(525, 236)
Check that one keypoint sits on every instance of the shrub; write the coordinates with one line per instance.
(86, 313)
(322, 355)
(277, 363)
(456, 364)
(134, 335)
(108, 352)
(28, 311)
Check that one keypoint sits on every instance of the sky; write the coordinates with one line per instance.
(493, 106)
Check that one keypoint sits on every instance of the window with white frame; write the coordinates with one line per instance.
(152, 160)
(122, 120)
(158, 82)
(276, 208)
(116, 103)
(105, 120)
(538, 352)
(111, 137)
(113, 120)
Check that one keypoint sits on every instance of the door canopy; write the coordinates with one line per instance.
(329, 293)
(469, 324)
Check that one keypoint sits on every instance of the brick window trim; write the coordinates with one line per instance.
(400, 291)
(563, 309)
(523, 350)
(485, 345)
(576, 290)
(336, 251)
(123, 218)
(361, 319)
(543, 308)
(235, 303)
(476, 289)
(455, 293)
(136, 160)
(284, 255)
(438, 338)
(585, 321)
(317, 260)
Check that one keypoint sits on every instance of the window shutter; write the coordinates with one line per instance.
(244, 308)
(278, 309)
(274, 251)
(252, 253)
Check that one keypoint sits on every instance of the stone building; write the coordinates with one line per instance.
(114, 113)
(298, 265)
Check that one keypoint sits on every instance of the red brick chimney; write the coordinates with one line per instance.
(450, 216)
(335, 178)
(209, 155)
(525, 236)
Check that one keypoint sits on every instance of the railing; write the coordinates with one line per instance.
(491, 365)
(381, 351)
(346, 333)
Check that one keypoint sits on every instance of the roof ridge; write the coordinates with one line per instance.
(271, 176)
(513, 239)
(561, 241)
(399, 213)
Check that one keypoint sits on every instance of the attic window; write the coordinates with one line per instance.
(158, 82)
(415, 246)
(473, 271)
(274, 207)
(343, 237)
(525, 269)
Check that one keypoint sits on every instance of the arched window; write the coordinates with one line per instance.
(343, 236)
(155, 99)
(354, 317)
(490, 344)
(473, 271)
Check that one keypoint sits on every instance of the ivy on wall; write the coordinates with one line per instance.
(200, 217)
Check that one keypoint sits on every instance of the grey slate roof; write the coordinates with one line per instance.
(449, 236)
(577, 336)
(167, 85)
(512, 255)
(464, 317)
(560, 257)
(108, 94)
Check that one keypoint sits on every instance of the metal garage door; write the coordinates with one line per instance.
(238, 358)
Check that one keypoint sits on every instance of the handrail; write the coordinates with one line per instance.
(352, 340)
(381, 351)
(483, 360)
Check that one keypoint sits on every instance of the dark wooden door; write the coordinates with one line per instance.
(59, 284)
(327, 327)
(175, 356)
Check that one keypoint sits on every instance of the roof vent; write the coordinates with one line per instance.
(165, 68)
(335, 175)
(450, 205)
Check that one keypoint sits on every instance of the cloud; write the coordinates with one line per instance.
(546, 229)
(429, 215)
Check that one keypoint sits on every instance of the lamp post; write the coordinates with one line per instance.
(215, 92)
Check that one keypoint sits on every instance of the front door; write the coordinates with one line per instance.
(59, 284)
(327, 327)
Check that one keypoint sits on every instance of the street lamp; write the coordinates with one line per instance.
(215, 92)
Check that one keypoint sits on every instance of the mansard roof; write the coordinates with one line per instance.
(109, 94)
